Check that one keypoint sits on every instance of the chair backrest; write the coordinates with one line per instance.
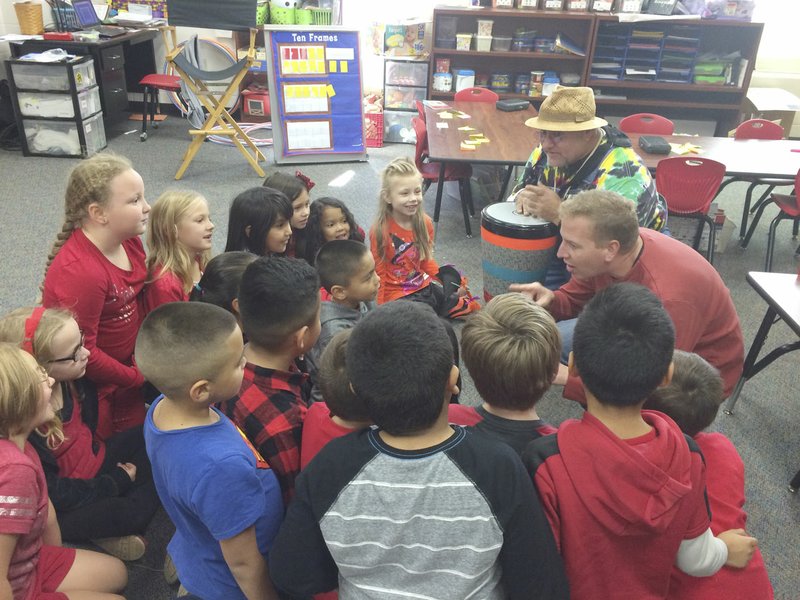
(689, 184)
(758, 129)
(420, 110)
(647, 123)
(421, 149)
(476, 94)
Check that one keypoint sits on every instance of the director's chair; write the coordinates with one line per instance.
(214, 94)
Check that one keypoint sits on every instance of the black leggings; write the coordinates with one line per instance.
(121, 515)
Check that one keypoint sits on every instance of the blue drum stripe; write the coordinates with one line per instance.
(513, 275)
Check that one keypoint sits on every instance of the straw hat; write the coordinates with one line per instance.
(567, 109)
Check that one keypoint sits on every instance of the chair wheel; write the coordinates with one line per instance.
(143, 136)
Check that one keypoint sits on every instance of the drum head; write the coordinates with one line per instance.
(502, 219)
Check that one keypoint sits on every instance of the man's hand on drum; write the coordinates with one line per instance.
(535, 291)
(539, 201)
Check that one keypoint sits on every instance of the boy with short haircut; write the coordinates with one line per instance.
(511, 349)
(341, 412)
(347, 272)
(415, 507)
(222, 497)
(623, 491)
(692, 400)
(279, 308)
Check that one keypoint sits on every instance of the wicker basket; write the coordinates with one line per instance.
(29, 15)
(373, 130)
(321, 16)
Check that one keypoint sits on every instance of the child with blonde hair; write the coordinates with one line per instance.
(296, 188)
(179, 240)
(97, 269)
(103, 492)
(32, 561)
(401, 240)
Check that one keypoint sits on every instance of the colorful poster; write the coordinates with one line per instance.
(317, 83)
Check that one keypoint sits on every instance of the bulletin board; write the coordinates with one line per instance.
(314, 76)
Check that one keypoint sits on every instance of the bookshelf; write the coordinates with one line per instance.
(684, 69)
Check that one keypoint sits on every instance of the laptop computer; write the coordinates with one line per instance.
(87, 18)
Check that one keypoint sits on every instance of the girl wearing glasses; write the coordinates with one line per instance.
(32, 561)
(102, 491)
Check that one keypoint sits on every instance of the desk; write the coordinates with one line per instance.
(510, 143)
(742, 158)
(781, 292)
(119, 63)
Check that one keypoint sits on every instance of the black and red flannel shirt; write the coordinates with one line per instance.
(270, 409)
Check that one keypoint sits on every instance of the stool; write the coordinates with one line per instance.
(152, 83)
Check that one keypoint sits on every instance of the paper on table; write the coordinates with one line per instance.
(442, 125)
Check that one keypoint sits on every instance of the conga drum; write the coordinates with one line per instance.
(515, 248)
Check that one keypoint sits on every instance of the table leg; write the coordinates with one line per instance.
(506, 180)
(750, 361)
(439, 189)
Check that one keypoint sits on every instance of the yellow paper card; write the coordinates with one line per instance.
(343, 66)
(331, 91)
(332, 66)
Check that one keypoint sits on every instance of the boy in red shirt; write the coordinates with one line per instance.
(279, 307)
(692, 399)
(622, 489)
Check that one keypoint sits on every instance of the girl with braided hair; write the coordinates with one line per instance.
(96, 270)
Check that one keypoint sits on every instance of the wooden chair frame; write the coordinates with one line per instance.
(215, 101)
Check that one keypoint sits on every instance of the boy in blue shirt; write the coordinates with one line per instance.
(221, 495)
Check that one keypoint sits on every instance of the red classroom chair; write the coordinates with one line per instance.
(476, 94)
(453, 172)
(689, 185)
(420, 110)
(647, 124)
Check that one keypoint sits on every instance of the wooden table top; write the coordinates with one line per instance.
(782, 292)
(745, 158)
(510, 142)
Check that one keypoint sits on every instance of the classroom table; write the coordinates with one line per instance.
(510, 142)
(781, 292)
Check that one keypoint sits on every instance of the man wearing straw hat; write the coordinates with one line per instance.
(576, 154)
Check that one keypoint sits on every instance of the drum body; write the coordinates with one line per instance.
(514, 248)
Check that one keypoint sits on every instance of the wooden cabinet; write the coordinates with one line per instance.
(577, 28)
(633, 67)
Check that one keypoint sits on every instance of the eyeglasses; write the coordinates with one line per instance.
(554, 136)
(76, 355)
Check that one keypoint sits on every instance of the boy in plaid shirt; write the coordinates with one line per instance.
(279, 307)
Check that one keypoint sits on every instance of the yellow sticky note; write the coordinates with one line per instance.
(290, 91)
(467, 146)
(320, 67)
(331, 91)
(475, 135)
(287, 67)
(303, 66)
(332, 66)
(466, 128)
(343, 66)
(317, 52)
(445, 115)
(305, 92)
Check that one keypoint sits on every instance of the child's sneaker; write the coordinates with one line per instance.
(128, 547)
(465, 305)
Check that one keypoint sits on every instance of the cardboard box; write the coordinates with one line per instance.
(684, 229)
(402, 39)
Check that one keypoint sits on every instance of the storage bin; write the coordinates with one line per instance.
(407, 73)
(485, 27)
(402, 97)
(59, 106)
(446, 27)
(464, 78)
(397, 127)
(373, 130)
(41, 76)
(446, 43)
(442, 82)
(463, 41)
(483, 43)
(501, 43)
(442, 65)
(65, 138)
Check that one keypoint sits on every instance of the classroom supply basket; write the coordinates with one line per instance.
(373, 130)
(29, 15)
(262, 12)
(321, 16)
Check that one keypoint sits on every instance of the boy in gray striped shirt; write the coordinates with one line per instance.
(415, 507)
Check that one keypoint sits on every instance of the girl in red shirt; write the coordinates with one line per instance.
(103, 491)
(97, 270)
(32, 560)
(296, 188)
(401, 240)
(179, 239)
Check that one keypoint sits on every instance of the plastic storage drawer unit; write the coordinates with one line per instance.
(59, 106)
(397, 127)
(65, 138)
(45, 77)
